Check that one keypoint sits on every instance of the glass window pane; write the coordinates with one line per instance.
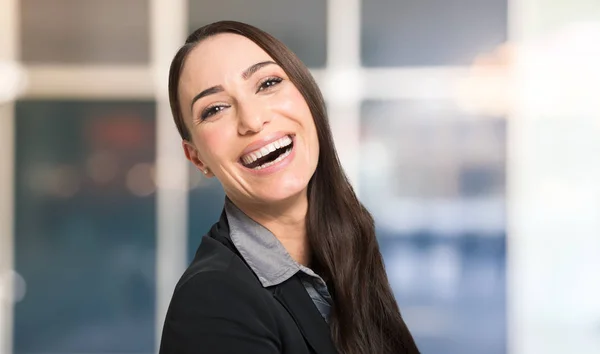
(430, 32)
(85, 227)
(433, 179)
(85, 31)
(301, 25)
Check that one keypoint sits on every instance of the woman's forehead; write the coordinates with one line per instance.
(224, 53)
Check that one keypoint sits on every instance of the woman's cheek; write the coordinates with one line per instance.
(216, 143)
(286, 103)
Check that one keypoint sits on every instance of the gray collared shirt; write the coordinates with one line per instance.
(269, 260)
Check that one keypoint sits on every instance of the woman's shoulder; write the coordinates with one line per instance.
(218, 283)
(217, 306)
(217, 267)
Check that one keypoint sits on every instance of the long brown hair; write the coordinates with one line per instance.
(365, 318)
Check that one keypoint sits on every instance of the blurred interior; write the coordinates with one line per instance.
(469, 128)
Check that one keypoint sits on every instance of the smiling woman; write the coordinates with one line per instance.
(241, 101)
(293, 265)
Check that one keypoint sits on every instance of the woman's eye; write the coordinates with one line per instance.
(268, 83)
(210, 111)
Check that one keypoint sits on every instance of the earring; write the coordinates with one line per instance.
(205, 171)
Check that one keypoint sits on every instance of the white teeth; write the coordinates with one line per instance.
(255, 155)
(279, 158)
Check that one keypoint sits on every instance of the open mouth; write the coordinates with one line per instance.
(269, 154)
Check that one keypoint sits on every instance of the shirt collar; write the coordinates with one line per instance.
(263, 252)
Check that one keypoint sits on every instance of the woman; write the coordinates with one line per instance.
(293, 265)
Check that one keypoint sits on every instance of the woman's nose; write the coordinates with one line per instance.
(252, 118)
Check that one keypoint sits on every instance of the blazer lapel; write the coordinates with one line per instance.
(292, 295)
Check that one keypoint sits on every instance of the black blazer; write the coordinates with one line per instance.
(220, 307)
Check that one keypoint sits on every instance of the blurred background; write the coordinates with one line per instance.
(470, 129)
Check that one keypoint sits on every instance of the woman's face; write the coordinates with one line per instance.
(250, 126)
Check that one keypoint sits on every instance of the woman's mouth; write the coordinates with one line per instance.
(269, 154)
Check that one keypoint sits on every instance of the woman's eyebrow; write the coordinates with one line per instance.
(208, 91)
(254, 68)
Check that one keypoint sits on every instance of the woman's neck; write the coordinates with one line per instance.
(287, 221)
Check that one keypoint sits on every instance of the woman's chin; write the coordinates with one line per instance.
(277, 193)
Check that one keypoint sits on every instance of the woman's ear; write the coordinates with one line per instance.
(192, 154)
